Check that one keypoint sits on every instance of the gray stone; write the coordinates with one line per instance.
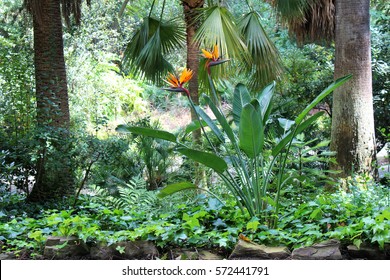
(327, 250)
(60, 247)
(186, 254)
(131, 250)
(251, 250)
(7, 256)
(382, 157)
(384, 171)
(366, 252)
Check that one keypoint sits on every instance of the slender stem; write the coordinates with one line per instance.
(162, 10)
(213, 91)
(249, 4)
(151, 8)
(281, 171)
(213, 194)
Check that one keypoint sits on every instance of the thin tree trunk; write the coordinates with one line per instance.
(54, 178)
(353, 130)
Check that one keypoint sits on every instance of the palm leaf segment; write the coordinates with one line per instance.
(247, 42)
(265, 57)
(144, 55)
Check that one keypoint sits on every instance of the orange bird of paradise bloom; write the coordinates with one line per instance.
(212, 57)
(176, 83)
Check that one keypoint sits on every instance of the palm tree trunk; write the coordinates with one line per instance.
(190, 14)
(53, 178)
(353, 130)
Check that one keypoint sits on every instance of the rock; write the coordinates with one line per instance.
(382, 157)
(366, 252)
(186, 254)
(327, 250)
(60, 247)
(384, 171)
(127, 250)
(7, 256)
(250, 250)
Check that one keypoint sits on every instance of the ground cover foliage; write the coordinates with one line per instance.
(118, 177)
(357, 215)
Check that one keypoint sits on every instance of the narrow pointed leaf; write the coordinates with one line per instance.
(289, 136)
(321, 96)
(177, 187)
(146, 131)
(210, 160)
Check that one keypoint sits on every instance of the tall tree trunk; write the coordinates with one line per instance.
(190, 14)
(353, 133)
(53, 178)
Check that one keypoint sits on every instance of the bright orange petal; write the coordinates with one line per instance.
(185, 76)
(207, 54)
(172, 80)
(215, 52)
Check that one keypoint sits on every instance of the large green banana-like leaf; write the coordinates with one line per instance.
(241, 97)
(265, 99)
(251, 130)
(177, 187)
(146, 131)
(208, 159)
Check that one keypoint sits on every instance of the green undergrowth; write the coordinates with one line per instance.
(359, 214)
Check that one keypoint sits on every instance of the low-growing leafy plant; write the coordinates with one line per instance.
(131, 195)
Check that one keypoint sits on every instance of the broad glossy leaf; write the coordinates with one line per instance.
(174, 188)
(251, 130)
(241, 97)
(146, 131)
(207, 159)
(265, 99)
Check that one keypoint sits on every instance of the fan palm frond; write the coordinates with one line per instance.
(144, 55)
(314, 21)
(218, 27)
(290, 9)
(266, 61)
